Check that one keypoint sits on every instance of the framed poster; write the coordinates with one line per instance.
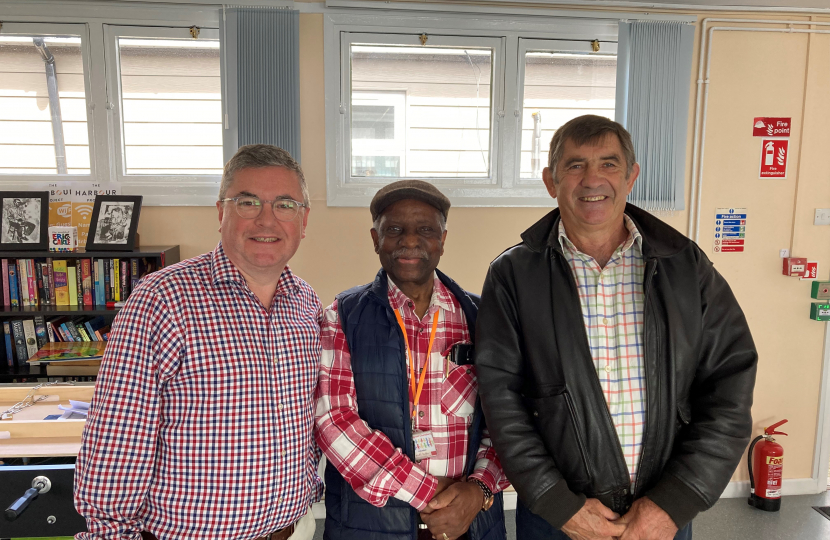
(114, 223)
(24, 220)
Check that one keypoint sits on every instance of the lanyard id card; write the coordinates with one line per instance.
(424, 444)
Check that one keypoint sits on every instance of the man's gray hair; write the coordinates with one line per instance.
(589, 129)
(256, 156)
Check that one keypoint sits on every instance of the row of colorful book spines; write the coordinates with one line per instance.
(28, 282)
(24, 337)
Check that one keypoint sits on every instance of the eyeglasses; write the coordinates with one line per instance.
(251, 207)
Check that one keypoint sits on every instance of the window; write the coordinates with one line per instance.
(562, 80)
(169, 106)
(43, 113)
(461, 103)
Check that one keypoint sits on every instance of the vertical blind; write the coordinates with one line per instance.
(261, 69)
(654, 65)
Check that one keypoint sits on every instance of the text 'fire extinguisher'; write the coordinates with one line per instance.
(766, 469)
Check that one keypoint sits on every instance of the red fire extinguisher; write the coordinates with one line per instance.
(766, 470)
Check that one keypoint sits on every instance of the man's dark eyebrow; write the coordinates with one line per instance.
(612, 157)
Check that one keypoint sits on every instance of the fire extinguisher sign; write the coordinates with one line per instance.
(774, 155)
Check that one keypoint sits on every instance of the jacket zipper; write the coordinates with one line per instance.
(647, 290)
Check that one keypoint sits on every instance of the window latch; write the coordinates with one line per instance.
(194, 31)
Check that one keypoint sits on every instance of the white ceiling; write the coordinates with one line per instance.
(786, 4)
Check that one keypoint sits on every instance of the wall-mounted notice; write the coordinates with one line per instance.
(774, 158)
(730, 230)
(771, 127)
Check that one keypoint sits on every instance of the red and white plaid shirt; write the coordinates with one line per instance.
(366, 458)
(202, 417)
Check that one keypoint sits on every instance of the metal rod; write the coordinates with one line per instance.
(54, 104)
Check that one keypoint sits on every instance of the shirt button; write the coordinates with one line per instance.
(283, 454)
(469, 371)
(420, 414)
(276, 359)
(607, 369)
(279, 500)
(605, 322)
(279, 406)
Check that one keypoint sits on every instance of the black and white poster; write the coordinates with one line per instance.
(21, 222)
(114, 221)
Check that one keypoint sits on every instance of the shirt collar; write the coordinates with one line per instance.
(633, 236)
(441, 296)
(224, 271)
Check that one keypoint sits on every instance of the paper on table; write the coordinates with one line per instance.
(77, 407)
(5, 434)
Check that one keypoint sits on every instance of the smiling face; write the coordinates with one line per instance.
(591, 184)
(409, 238)
(261, 247)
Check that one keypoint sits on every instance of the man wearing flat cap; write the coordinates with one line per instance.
(397, 410)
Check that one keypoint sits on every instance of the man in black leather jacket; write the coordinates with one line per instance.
(552, 359)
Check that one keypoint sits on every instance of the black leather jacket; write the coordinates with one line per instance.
(543, 403)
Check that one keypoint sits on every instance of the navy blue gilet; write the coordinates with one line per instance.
(379, 366)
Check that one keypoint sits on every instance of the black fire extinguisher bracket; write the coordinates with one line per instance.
(768, 505)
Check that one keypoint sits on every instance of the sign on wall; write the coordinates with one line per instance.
(771, 127)
(774, 158)
(730, 230)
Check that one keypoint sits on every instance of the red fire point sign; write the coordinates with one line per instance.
(771, 127)
(774, 158)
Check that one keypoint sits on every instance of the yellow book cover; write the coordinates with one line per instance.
(116, 286)
(60, 206)
(71, 280)
(61, 282)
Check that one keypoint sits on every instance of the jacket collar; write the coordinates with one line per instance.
(658, 238)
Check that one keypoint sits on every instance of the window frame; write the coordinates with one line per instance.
(413, 40)
(17, 182)
(535, 44)
(202, 182)
(504, 187)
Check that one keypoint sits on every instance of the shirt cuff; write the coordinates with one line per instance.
(418, 488)
(486, 477)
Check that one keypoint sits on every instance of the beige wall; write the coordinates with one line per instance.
(337, 253)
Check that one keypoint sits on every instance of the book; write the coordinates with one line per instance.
(61, 283)
(41, 291)
(50, 331)
(6, 295)
(125, 280)
(66, 352)
(47, 287)
(102, 333)
(93, 325)
(13, 288)
(60, 332)
(86, 281)
(96, 282)
(23, 280)
(19, 338)
(73, 331)
(32, 277)
(79, 284)
(134, 274)
(107, 280)
(52, 298)
(40, 331)
(31, 337)
(7, 330)
(116, 280)
(72, 283)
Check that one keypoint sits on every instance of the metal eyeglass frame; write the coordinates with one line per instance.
(262, 205)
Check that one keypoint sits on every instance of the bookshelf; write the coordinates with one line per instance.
(161, 256)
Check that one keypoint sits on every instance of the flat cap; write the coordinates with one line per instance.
(408, 189)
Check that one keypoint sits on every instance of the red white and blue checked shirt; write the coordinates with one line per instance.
(201, 422)
(612, 302)
(366, 458)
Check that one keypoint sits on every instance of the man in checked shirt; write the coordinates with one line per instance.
(397, 414)
(616, 366)
(201, 422)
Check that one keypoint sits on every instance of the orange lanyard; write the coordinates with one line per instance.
(416, 391)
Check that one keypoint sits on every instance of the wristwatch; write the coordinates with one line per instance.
(488, 495)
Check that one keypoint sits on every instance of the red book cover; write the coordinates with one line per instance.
(31, 281)
(6, 297)
(86, 276)
(51, 282)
